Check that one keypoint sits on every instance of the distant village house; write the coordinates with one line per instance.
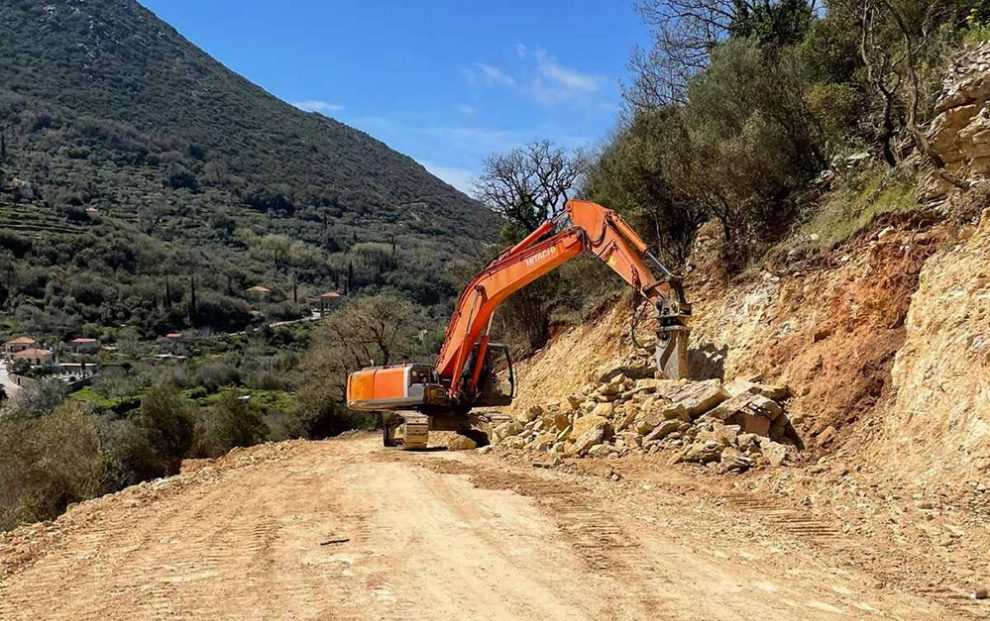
(19, 344)
(36, 357)
(259, 292)
(325, 301)
(84, 345)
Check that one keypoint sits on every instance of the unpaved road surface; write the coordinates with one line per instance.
(345, 530)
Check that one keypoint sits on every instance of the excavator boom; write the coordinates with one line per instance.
(464, 372)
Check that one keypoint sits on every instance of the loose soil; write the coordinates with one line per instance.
(344, 529)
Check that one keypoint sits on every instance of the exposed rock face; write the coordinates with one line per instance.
(941, 417)
(960, 133)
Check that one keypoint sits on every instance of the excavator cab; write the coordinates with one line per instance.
(497, 384)
(496, 378)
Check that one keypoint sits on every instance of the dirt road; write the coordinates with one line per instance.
(344, 530)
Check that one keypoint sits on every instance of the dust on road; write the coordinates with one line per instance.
(425, 536)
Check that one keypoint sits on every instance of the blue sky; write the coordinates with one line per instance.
(445, 82)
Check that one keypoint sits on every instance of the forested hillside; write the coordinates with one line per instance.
(198, 185)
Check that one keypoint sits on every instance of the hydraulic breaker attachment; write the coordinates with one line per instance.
(672, 351)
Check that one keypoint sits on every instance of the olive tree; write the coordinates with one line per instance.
(375, 330)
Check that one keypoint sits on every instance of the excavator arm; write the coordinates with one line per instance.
(582, 227)
(448, 391)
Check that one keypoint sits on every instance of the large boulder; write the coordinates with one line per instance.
(753, 412)
(603, 409)
(723, 435)
(588, 439)
(774, 452)
(506, 430)
(560, 421)
(675, 411)
(960, 131)
(701, 452)
(532, 414)
(626, 419)
(457, 442)
(629, 438)
(734, 460)
(662, 430)
(698, 397)
(587, 422)
(543, 442)
(758, 425)
(601, 450)
(777, 392)
(514, 442)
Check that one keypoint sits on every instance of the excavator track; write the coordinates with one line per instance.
(417, 430)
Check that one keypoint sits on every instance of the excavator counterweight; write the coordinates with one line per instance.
(471, 372)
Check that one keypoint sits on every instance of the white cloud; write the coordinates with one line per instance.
(540, 76)
(317, 105)
(461, 178)
(555, 83)
(465, 109)
(549, 68)
(488, 75)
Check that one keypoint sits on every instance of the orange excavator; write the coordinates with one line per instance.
(472, 372)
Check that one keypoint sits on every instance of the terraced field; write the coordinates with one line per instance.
(37, 220)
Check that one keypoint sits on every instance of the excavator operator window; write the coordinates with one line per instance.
(498, 385)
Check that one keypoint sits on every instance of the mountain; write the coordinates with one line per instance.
(126, 144)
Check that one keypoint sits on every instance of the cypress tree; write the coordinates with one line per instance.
(192, 300)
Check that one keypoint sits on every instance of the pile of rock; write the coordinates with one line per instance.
(734, 426)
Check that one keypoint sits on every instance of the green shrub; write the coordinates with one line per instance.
(976, 30)
(167, 420)
(233, 421)
(323, 415)
(215, 374)
(129, 456)
(46, 464)
(40, 398)
(837, 107)
(857, 198)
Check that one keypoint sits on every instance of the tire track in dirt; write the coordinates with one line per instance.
(603, 545)
(829, 536)
(807, 587)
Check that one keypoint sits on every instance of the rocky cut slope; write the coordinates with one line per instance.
(884, 339)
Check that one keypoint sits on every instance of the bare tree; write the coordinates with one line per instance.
(377, 330)
(530, 184)
(882, 77)
(892, 71)
(913, 41)
(684, 34)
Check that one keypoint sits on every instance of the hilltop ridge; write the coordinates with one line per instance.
(104, 106)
